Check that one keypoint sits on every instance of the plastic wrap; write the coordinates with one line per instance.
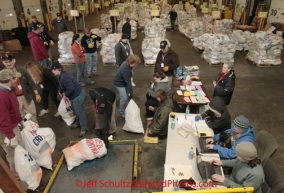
(64, 47)
(108, 44)
(224, 26)
(105, 21)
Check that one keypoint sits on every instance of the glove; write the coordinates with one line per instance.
(90, 45)
(166, 68)
(197, 118)
(93, 36)
(38, 98)
(45, 43)
(130, 95)
(13, 142)
(51, 43)
(48, 59)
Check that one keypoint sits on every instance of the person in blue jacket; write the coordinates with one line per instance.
(240, 131)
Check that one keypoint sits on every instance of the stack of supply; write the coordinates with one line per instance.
(108, 44)
(240, 39)
(166, 8)
(144, 14)
(178, 7)
(266, 49)
(219, 48)
(224, 26)
(100, 32)
(64, 47)
(191, 12)
(250, 38)
(207, 23)
(200, 42)
(166, 20)
(105, 21)
(194, 29)
(155, 28)
(151, 48)
(133, 28)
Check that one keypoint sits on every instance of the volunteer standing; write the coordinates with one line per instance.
(122, 49)
(61, 25)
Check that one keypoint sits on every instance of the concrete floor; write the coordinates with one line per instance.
(257, 95)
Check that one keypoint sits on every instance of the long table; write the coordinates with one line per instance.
(177, 152)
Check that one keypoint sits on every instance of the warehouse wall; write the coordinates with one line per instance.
(276, 12)
(8, 16)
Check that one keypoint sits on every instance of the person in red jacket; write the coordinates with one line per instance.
(39, 50)
(9, 115)
(79, 59)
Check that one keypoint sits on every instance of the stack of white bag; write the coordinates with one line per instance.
(194, 29)
(64, 47)
(224, 26)
(144, 14)
(266, 49)
(100, 32)
(219, 48)
(133, 28)
(200, 42)
(155, 28)
(250, 38)
(191, 12)
(166, 8)
(178, 7)
(105, 21)
(108, 44)
(166, 20)
(240, 38)
(207, 23)
(86, 149)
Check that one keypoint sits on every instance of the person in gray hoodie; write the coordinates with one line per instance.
(160, 81)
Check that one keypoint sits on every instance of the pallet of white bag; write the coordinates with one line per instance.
(210, 63)
(197, 49)
(262, 65)
(145, 64)
(109, 64)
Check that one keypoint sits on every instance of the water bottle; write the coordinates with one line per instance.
(201, 185)
(173, 124)
(191, 153)
(187, 111)
(176, 186)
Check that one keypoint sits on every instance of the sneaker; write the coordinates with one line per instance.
(95, 74)
(82, 133)
(42, 112)
(83, 84)
(56, 114)
(92, 82)
(122, 115)
(74, 126)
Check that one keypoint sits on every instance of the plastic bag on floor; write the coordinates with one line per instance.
(27, 168)
(48, 134)
(66, 111)
(133, 122)
(36, 145)
(86, 149)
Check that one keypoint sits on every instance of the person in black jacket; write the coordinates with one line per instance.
(48, 82)
(225, 83)
(173, 16)
(217, 117)
(122, 50)
(126, 29)
(35, 21)
(104, 100)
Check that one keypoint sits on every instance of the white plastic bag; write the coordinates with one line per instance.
(27, 168)
(48, 134)
(36, 145)
(66, 111)
(86, 149)
(133, 122)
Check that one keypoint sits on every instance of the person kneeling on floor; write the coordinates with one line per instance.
(105, 101)
(247, 169)
(159, 125)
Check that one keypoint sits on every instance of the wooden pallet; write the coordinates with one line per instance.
(109, 64)
(208, 62)
(197, 49)
(262, 65)
(145, 64)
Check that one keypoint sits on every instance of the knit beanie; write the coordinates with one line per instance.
(242, 123)
(246, 150)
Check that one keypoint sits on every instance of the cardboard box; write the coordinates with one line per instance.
(12, 45)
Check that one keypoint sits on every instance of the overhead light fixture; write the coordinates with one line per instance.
(37, 10)
(9, 15)
(69, 4)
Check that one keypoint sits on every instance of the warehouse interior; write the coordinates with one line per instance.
(257, 94)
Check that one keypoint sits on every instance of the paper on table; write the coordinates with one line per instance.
(182, 87)
(199, 99)
(187, 87)
(179, 172)
(192, 87)
(195, 83)
(196, 92)
(205, 99)
(191, 93)
(193, 99)
(179, 92)
(187, 99)
(201, 92)
(198, 87)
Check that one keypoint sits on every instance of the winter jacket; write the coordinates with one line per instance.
(111, 96)
(69, 86)
(49, 82)
(225, 87)
(38, 48)
(173, 15)
(9, 112)
(61, 25)
(243, 175)
(170, 59)
(46, 39)
(161, 118)
(126, 29)
(230, 152)
(123, 77)
(78, 53)
(27, 83)
(217, 117)
(86, 40)
(164, 85)
(122, 51)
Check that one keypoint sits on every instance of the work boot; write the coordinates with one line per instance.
(82, 133)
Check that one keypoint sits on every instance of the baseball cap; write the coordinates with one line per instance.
(6, 57)
(7, 74)
(33, 17)
(101, 104)
(58, 14)
(163, 44)
(56, 65)
(87, 31)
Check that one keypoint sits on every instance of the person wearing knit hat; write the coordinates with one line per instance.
(217, 117)
(247, 169)
(241, 131)
(122, 50)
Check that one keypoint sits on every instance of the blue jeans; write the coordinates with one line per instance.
(173, 24)
(124, 99)
(78, 107)
(81, 71)
(91, 59)
(46, 63)
(49, 53)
